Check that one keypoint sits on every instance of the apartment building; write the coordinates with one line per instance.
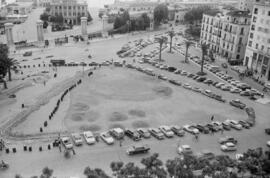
(71, 10)
(246, 5)
(258, 47)
(226, 34)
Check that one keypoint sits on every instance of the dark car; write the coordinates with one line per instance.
(156, 133)
(237, 103)
(138, 150)
(144, 132)
(201, 79)
(208, 81)
(134, 135)
(190, 75)
(250, 111)
(267, 131)
(212, 127)
(178, 130)
(195, 77)
(206, 155)
(202, 128)
(175, 82)
(219, 98)
(244, 124)
(172, 69)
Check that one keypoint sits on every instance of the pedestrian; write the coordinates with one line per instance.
(97, 138)
(44, 83)
(73, 151)
(226, 72)
(212, 118)
(196, 137)
(120, 143)
(22, 105)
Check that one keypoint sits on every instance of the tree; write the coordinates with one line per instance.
(161, 40)
(171, 35)
(44, 16)
(116, 167)
(94, 173)
(117, 23)
(100, 14)
(204, 48)
(3, 66)
(187, 44)
(153, 166)
(11, 65)
(160, 13)
(46, 173)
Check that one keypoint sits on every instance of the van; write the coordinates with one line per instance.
(118, 133)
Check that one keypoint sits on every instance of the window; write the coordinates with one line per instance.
(268, 13)
(268, 40)
(255, 10)
(262, 47)
(251, 35)
(74, 7)
(256, 45)
(69, 13)
(60, 7)
(239, 49)
(82, 8)
(83, 14)
(240, 40)
(254, 19)
(237, 56)
(250, 43)
(252, 27)
(242, 31)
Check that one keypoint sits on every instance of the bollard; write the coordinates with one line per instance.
(30, 148)
(14, 150)
(40, 148)
(24, 148)
(7, 150)
(49, 147)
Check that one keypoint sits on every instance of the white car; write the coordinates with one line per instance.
(235, 90)
(235, 124)
(187, 86)
(66, 142)
(89, 137)
(228, 147)
(107, 138)
(167, 131)
(186, 149)
(77, 139)
(268, 143)
(191, 129)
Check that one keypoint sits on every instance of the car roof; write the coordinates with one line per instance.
(185, 146)
(229, 144)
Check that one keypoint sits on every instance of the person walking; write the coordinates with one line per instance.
(196, 137)
(212, 117)
(59, 146)
(120, 143)
(73, 151)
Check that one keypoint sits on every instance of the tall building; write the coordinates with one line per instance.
(246, 5)
(226, 34)
(258, 48)
(71, 10)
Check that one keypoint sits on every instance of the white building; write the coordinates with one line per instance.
(135, 5)
(246, 5)
(258, 48)
(226, 34)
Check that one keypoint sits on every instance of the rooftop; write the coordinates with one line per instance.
(238, 13)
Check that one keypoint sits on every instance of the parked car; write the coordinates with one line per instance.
(175, 82)
(267, 131)
(138, 150)
(187, 86)
(235, 90)
(178, 130)
(237, 103)
(166, 130)
(133, 134)
(184, 149)
(227, 139)
(144, 132)
(228, 147)
(197, 89)
(226, 125)
(191, 129)
(201, 79)
(212, 127)
(156, 133)
(250, 112)
(235, 124)
(217, 124)
(27, 53)
(244, 124)
(77, 139)
(89, 137)
(117, 133)
(202, 128)
(208, 81)
(244, 93)
(206, 155)
(66, 142)
(208, 93)
(107, 138)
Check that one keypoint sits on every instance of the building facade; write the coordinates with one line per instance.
(246, 5)
(71, 10)
(136, 5)
(258, 48)
(226, 34)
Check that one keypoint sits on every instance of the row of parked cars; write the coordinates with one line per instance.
(233, 86)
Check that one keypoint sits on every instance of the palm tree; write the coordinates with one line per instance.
(187, 44)
(204, 48)
(171, 35)
(11, 65)
(161, 40)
